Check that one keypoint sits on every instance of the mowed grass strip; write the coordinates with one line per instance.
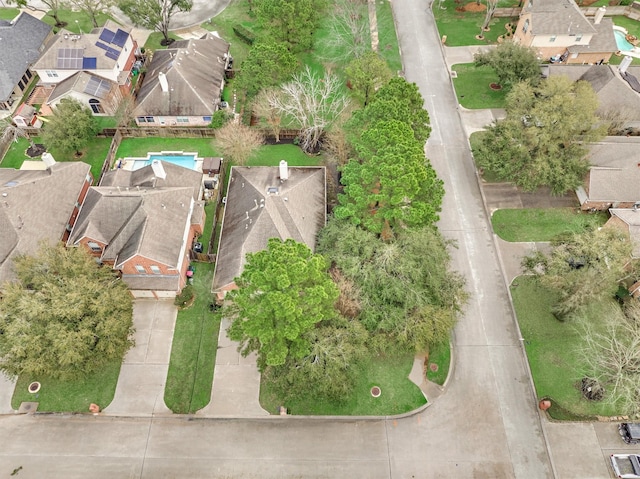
(472, 85)
(399, 395)
(551, 347)
(543, 224)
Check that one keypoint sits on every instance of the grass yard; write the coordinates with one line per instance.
(399, 395)
(543, 224)
(106, 122)
(77, 22)
(461, 28)
(194, 347)
(388, 41)
(632, 26)
(93, 154)
(270, 155)
(439, 356)
(8, 13)
(139, 147)
(153, 41)
(236, 13)
(69, 396)
(551, 349)
(472, 87)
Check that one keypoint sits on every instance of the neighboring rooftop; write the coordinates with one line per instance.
(555, 17)
(83, 82)
(36, 205)
(615, 174)
(630, 221)
(261, 206)
(21, 41)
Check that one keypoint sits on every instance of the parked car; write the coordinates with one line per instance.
(626, 466)
(630, 432)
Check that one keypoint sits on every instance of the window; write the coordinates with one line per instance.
(95, 247)
(145, 119)
(96, 107)
(206, 118)
(51, 73)
(578, 37)
(140, 269)
(182, 119)
(21, 85)
(552, 39)
(525, 27)
(155, 269)
(25, 79)
(28, 73)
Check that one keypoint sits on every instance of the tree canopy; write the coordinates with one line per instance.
(389, 184)
(283, 292)
(70, 128)
(366, 74)
(154, 14)
(268, 64)
(543, 140)
(65, 316)
(512, 63)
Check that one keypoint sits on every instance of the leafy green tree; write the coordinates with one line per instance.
(290, 21)
(390, 184)
(396, 100)
(154, 14)
(366, 74)
(70, 128)
(405, 287)
(584, 268)
(512, 63)
(543, 140)
(284, 291)
(268, 64)
(65, 317)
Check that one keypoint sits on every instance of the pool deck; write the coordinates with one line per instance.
(130, 163)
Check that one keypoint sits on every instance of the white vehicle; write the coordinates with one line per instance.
(626, 466)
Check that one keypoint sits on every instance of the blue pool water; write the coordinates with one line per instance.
(186, 161)
(621, 40)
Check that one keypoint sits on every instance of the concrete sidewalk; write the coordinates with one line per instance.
(236, 382)
(140, 389)
(6, 393)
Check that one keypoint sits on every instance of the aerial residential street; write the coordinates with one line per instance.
(485, 424)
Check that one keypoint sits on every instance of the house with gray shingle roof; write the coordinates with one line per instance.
(183, 84)
(38, 205)
(143, 226)
(558, 28)
(613, 181)
(261, 205)
(21, 42)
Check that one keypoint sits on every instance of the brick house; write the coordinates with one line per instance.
(38, 205)
(559, 29)
(143, 224)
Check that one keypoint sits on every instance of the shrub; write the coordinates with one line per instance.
(218, 119)
(244, 34)
(184, 298)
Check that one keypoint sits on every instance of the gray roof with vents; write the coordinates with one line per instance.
(615, 174)
(557, 17)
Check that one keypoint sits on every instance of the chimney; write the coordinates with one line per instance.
(622, 68)
(48, 159)
(599, 15)
(158, 169)
(284, 170)
(164, 84)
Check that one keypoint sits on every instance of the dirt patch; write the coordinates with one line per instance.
(474, 7)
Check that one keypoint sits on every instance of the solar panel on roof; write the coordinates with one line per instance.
(113, 54)
(120, 38)
(89, 63)
(97, 87)
(70, 58)
(107, 35)
(102, 45)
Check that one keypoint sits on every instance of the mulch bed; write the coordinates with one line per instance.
(495, 86)
(473, 7)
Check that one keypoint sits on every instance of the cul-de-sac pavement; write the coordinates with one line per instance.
(484, 424)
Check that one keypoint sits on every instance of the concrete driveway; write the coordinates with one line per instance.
(140, 389)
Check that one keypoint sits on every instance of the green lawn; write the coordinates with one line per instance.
(551, 349)
(106, 122)
(632, 26)
(236, 13)
(399, 395)
(543, 224)
(153, 42)
(388, 41)
(70, 396)
(194, 347)
(461, 28)
(94, 154)
(77, 22)
(205, 238)
(472, 87)
(7, 13)
(139, 147)
(270, 155)
(440, 356)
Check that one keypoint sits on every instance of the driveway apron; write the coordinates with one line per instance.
(140, 389)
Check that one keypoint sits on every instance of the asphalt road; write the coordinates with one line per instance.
(484, 426)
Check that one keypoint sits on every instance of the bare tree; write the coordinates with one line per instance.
(10, 132)
(611, 356)
(92, 7)
(264, 108)
(312, 104)
(124, 111)
(616, 118)
(238, 141)
(488, 15)
(349, 34)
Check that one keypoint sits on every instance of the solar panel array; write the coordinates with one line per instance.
(120, 38)
(97, 87)
(70, 58)
(108, 38)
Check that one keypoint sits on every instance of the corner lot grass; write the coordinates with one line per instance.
(84, 23)
(388, 41)
(93, 154)
(193, 352)
(69, 396)
(543, 224)
(399, 395)
(472, 87)
(8, 13)
(551, 349)
(439, 355)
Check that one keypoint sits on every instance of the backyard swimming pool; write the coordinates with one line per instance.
(186, 160)
(621, 40)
